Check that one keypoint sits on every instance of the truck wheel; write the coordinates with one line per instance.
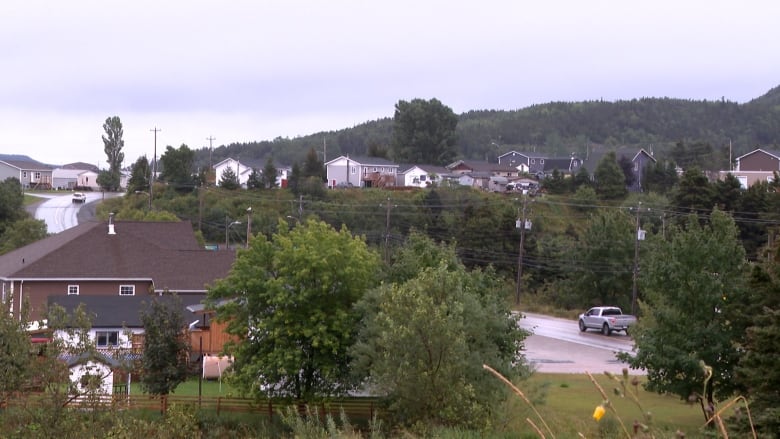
(605, 330)
(626, 330)
(582, 326)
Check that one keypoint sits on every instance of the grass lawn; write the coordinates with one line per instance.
(570, 399)
(565, 401)
(209, 388)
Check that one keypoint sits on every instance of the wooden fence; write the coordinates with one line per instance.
(354, 408)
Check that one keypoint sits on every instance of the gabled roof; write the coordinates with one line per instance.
(643, 152)
(561, 164)
(85, 357)
(166, 253)
(27, 165)
(365, 161)
(431, 169)
(122, 311)
(478, 166)
(525, 154)
(775, 154)
(81, 166)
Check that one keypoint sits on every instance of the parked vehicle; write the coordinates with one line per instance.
(79, 197)
(606, 319)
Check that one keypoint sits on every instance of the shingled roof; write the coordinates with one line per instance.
(166, 253)
(113, 311)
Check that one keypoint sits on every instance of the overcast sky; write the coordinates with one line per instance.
(254, 70)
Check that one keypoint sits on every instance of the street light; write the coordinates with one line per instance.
(227, 230)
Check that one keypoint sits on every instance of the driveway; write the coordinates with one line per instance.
(59, 212)
(558, 346)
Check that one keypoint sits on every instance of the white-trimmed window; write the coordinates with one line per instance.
(127, 290)
(73, 290)
(107, 339)
(353, 170)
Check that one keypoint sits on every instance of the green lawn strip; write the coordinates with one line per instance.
(209, 388)
(571, 399)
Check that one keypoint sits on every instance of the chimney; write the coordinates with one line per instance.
(111, 224)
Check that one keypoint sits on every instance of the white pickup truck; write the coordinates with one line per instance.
(606, 319)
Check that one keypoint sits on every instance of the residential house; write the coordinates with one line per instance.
(461, 167)
(420, 175)
(757, 165)
(346, 171)
(30, 173)
(121, 259)
(65, 179)
(242, 171)
(283, 176)
(639, 158)
(117, 325)
(566, 166)
(88, 179)
(529, 163)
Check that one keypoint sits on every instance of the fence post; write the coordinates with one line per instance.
(270, 410)
(219, 401)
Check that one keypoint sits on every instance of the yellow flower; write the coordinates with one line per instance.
(599, 413)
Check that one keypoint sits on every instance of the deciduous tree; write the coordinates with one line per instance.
(424, 340)
(178, 166)
(290, 305)
(166, 351)
(687, 282)
(424, 132)
(112, 146)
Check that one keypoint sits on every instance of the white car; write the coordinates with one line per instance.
(79, 197)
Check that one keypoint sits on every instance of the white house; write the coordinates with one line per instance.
(346, 171)
(65, 178)
(421, 175)
(88, 179)
(242, 171)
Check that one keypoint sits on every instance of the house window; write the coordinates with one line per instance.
(541, 161)
(24, 174)
(422, 178)
(107, 339)
(533, 161)
(37, 175)
(354, 170)
(127, 290)
(73, 290)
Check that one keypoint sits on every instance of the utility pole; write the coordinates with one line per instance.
(154, 167)
(635, 292)
(387, 230)
(522, 224)
(210, 138)
(248, 224)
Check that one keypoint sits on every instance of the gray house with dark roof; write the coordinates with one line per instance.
(30, 173)
(346, 171)
(137, 259)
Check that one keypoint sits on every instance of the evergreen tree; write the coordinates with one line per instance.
(610, 182)
(693, 193)
(255, 180)
(229, 179)
(269, 174)
(139, 176)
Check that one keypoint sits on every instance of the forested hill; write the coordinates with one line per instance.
(557, 128)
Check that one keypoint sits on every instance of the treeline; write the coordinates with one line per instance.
(557, 128)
